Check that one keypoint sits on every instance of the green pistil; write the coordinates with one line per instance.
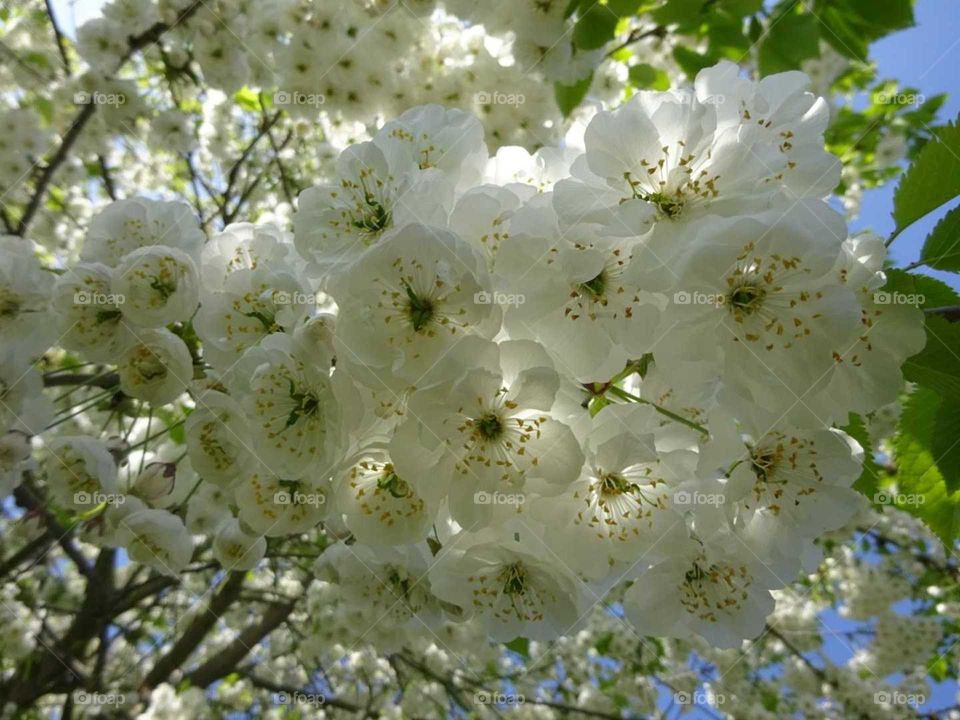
(746, 298)
(489, 426)
(392, 483)
(268, 321)
(665, 204)
(104, 316)
(376, 219)
(613, 484)
(595, 287)
(420, 309)
(514, 578)
(165, 288)
(307, 405)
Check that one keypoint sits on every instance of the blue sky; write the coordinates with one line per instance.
(925, 57)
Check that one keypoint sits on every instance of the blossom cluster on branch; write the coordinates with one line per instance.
(504, 386)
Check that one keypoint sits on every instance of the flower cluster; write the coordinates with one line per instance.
(355, 61)
(504, 386)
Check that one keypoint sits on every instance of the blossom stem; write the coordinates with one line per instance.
(624, 395)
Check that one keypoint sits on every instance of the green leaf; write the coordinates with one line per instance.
(571, 8)
(937, 366)
(932, 180)
(569, 96)
(247, 99)
(946, 443)
(741, 8)
(521, 646)
(692, 62)
(851, 25)
(623, 8)
(922, 490)
(727, 37)
(595, 28)
(45, 108)
(645, 76)
(942, 247)
(682, 12)
(939, 668)
(868, 482)
(930, 292)
(603, 644)
(791, 38)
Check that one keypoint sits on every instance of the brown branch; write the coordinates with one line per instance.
(45, 174)
(277, 688)
(61, 41)
(636, 35)
(24, 554)
(949, 312)
(247, 191)
(28, 499)
(265, 125)
(51, 669)
(226, 660)
(108, 183)
(47, 171)
(196, 631)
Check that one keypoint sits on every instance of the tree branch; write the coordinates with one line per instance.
(949, 312)
(225, 661)
(45, 175)
(196, 631)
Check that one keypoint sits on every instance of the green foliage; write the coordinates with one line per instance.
(791, 38)
(692, 62)
(247, 99)
(937, 366)
(942, 247)
(868, 482)
(932, 180)
(930, 292)
(569, 96)
(595, 27)
(521, 646)
(851, 25)
(927, 442)
(647, 77)
(923, 469)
